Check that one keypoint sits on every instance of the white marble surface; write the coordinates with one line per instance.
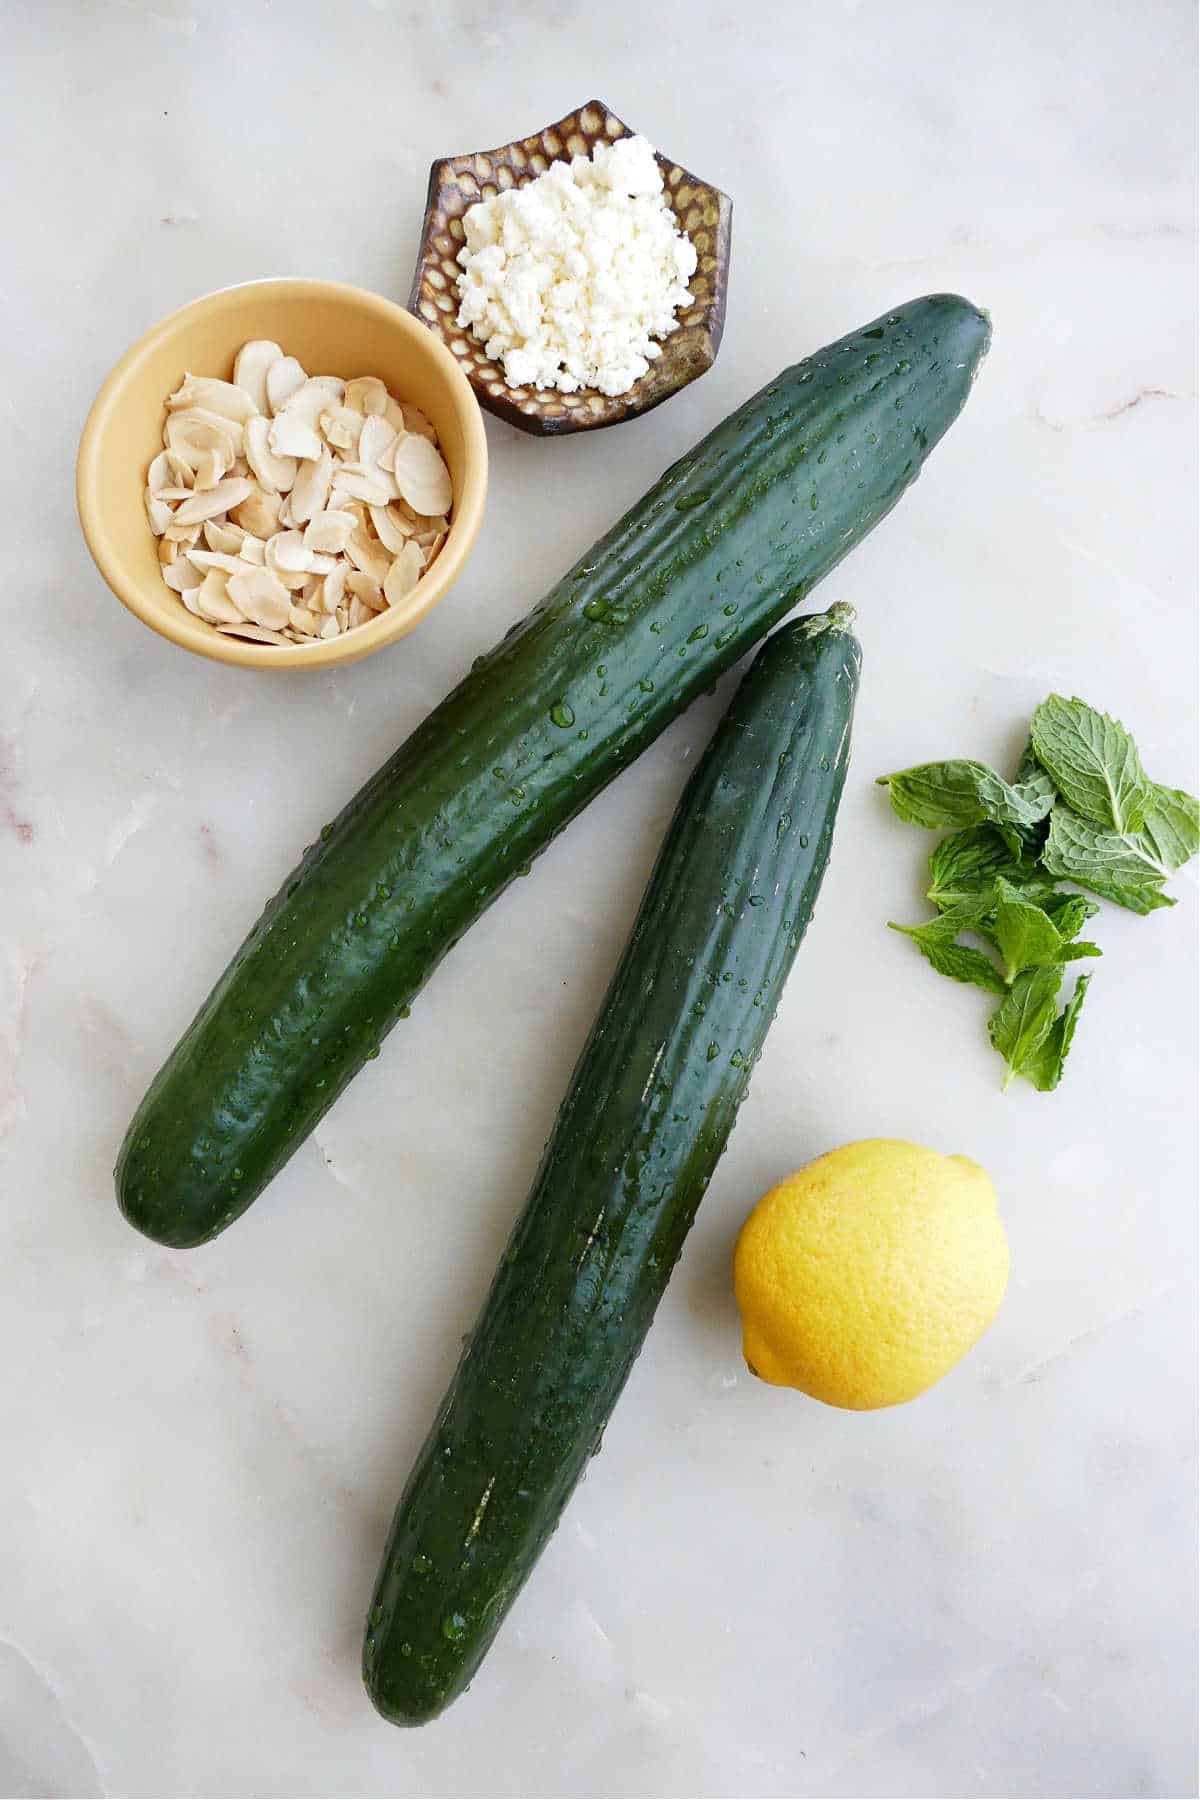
(989, 1592)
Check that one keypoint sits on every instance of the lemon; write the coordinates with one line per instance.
(865, 1276)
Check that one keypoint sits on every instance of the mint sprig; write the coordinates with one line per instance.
(1080, 808)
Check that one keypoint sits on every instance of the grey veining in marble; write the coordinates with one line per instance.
(990, 1592)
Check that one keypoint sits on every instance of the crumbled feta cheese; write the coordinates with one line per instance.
(569, 280)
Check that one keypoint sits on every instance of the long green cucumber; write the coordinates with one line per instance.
(725, 544)
(650, 1106)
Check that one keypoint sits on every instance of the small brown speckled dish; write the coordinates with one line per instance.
(457, 182)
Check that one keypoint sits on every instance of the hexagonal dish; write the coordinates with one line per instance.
(457, 182)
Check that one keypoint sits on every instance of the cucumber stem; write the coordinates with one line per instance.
(839, 617)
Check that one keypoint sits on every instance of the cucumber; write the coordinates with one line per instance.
(651, 1103)
(716, 553)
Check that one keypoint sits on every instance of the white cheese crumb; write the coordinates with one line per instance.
(569, 280)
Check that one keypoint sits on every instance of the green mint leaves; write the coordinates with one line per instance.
(967, 793)
(1022, 1023)
(1093, 763)
(1028, 937)
(938, 943)
(1081, 809)
(1171, 835)
(1113, 866)
(1045, 1066)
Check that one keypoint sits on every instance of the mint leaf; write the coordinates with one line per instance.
(1045, 1067)
(1069, 912)
(1104, 861)
(1170, 836)
(1028, 839)
(1024, 1020)
(936, 940)
(1022, 804)
(1025, 937)
(1073, 952)
(939, 793)
(1093, 762)
(966, 864)
(962, 792)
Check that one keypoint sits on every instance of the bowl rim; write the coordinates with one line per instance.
(351, 646)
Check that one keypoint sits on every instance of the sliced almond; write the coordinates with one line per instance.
(250, 367)
(415, 421)
(369, 556)
(182, 577)
(259, 514)
(288, 553)
(421, 475)
(189, 434)
(342, 427)
(274, 473)
(373, 486)
(255, 634)
(366, 394)
(376, 443)
(224, 397)
(311, 490)
(284, 378)
(223, 536)
(181, 471)
(222, 498)
(340, 501)
(261, 598)
(215, 559)
(210, 467)
(160, 515)
(329, 532)
(305, 622)
(364, 588)
(392, 527)
(213, 602)
(317, 395)
(404, 574)
(161, 475)
(292, 435)
(333, 588)
(314, 520)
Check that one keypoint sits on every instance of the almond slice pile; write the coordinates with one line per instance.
(290, 507)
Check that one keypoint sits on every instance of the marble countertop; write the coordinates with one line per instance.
(989, 1592)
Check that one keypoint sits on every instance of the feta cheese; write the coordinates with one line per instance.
(572, 280)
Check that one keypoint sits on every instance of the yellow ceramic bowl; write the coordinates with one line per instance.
(333, 330)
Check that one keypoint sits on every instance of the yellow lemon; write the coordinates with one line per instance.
(865, 1276)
